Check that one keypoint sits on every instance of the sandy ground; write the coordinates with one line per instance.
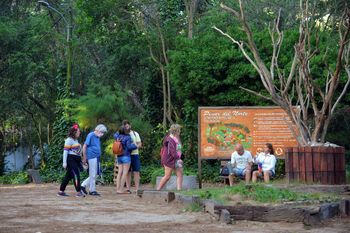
(36, 208)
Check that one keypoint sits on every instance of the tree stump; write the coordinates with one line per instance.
(34, 176)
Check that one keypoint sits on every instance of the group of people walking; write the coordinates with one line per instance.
(77, 158)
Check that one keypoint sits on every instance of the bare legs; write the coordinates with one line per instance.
(136, 180)
(230, 179)
(247, 176)
(179, 178)
(248, 173)
(167, 175)
(123, 170)
(266, 175)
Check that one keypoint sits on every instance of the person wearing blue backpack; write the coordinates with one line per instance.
(124, 159)
(135, 165)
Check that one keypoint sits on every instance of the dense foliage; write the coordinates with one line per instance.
(114, 76)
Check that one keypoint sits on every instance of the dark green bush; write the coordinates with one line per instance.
(15, 178)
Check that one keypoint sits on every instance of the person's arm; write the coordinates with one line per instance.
(233, 160)
(65, 155)
(272, 164)
(257, 159)
(67, 146)
(138, 140)
(84, 153)
(250, 162)
(129, 145)
(172, 149)
(86, 144)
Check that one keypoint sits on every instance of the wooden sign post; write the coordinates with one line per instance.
(220, 128)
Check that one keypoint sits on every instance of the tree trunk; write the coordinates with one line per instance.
(307, 89)
(2, 152)
(164, 97)
(191, 8)
(169, 112)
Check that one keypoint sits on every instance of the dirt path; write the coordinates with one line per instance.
(36, 208)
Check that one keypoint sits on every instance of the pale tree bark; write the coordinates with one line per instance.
(167, 77)
(159, 54)
(299, 83)
(164, 90)
(191, 8)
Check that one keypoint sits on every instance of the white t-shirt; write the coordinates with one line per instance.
(135, 137)
(241, 161)
(268, 161)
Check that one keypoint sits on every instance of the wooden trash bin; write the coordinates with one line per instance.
(324, 165)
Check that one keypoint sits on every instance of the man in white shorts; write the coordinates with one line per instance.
(240, 165)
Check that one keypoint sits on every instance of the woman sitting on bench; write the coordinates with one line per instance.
(266, 164)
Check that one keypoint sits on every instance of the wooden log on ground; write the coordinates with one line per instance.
(158, 196)
(264, 213)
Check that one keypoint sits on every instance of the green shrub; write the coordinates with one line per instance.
(258, 192)
(107, 169)
(156, 172)
(15, 178)
(280, 169)
(146, 173)
(194, 207)
(49, 175)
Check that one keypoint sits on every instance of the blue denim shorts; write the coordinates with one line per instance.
(236, 171)
(135, 163)
(123, 159)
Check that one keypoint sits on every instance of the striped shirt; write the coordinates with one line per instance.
(72, 146)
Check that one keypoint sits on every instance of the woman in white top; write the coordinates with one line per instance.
(267, 161)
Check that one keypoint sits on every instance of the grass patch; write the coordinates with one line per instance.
(194, 207)
(15, 178)
(259, 193)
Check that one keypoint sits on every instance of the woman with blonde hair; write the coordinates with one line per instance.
(171, 157)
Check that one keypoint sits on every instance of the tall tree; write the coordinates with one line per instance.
(299, 86)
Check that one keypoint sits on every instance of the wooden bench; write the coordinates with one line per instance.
(225, 178)
(222, 165)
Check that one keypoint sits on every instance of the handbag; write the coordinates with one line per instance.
(224, 171)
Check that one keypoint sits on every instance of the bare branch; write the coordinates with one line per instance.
(153, 57)
(335, 76)
(232, 11)
(347, 69)
(291, 73)
(240, 45)
(343, 92)
(256, 93)
(276, 45)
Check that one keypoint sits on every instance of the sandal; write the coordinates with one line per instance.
(125, 192)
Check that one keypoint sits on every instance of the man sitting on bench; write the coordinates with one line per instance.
(240, 165)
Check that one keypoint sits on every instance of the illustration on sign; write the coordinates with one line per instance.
(222, 128)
